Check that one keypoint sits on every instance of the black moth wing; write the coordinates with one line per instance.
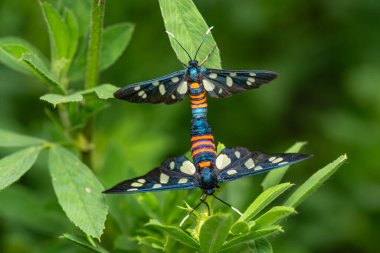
(174, 173)
(223, 83)
(230, 167)
(168, 89)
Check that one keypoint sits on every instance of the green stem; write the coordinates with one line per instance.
(93, 54)
(93, 64)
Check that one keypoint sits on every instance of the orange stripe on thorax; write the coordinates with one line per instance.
(201, 150)
(203, 94)
(201, 137)
(194, 85)
(204, 164)
(205, 142)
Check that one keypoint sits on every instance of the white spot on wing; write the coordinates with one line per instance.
(182, 181)
(258, 168)
(156, 83)
(136, 184)
(271, 159)
(249, 163)
(251, 79)
(248, 83)
(237, 154)
(172, 165)
(278, 160)
(137, 88)
(164, 179)
(182, 88)
(209, 86)
(252, 74)
(282, 163)
(173, 96)
(222, 161)
(233, 74)
(229, 81)
(188, 168)
(132, 189)
(213, 75)
(156, 186)
(231, 172)
(220, 91)
(141, 93)
(141, 180)
(144, 96)
(175, 79)
(161, 88)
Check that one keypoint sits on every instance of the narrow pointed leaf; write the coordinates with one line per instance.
(262, 246)
(83, 242)
(78, 190)
(175, 233)
(9, 139)
(58, 32)
(253, 235)
(273, 215)
(214, 232)
(263, 200)
(184, 21)
(314, 182)
(274, 177)
(12, 167)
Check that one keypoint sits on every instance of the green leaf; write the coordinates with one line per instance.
(314, 182)
(220, 148)
(253, 235)
(78, 190)
(183, 20)
(10, 139)
(262, 246)
(20, 56)
(73, 32)
(83, 242)
(39, 71)
(263, 200)
(274, 177)
(175, 233)
(104, 91)
(240, 227)
(214, 232)
(115, 40)
(273, 215)
(11, 51)
(58, 32)
(12, 167)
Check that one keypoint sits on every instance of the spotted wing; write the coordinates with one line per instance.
(235, 163)
(175, 173)
(224, 83)
(168, 89)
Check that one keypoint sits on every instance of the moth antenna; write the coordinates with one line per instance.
(202, 200)
(172, 35)
(203, 40)
(233, 208)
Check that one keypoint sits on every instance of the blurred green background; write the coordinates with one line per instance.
(328, 57)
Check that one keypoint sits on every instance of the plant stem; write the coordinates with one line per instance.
(93, 54)
(92, 71)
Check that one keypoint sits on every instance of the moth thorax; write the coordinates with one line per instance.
(208, 179)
